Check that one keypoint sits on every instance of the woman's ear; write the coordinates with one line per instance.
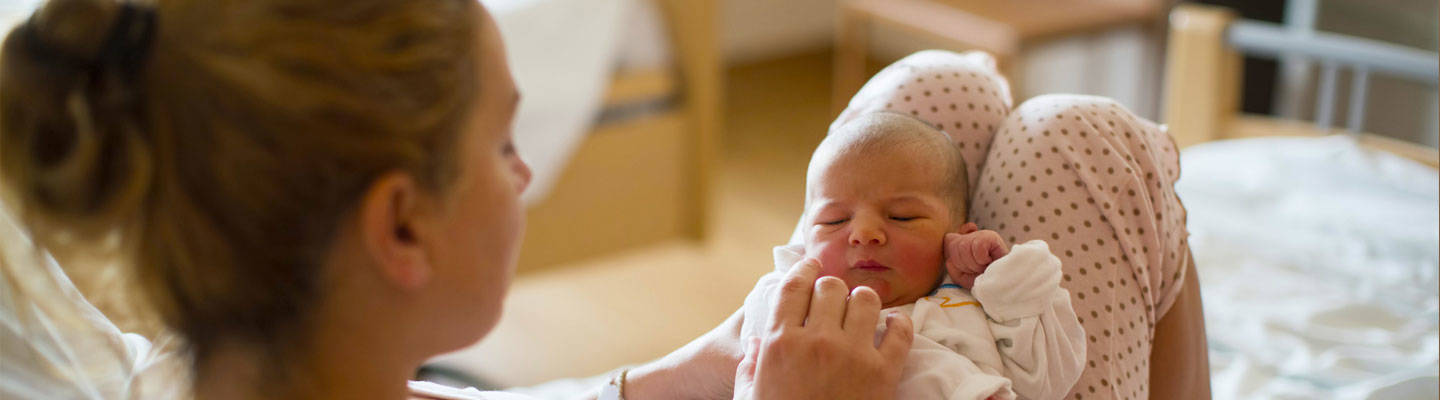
(389, 219)
(968, 227)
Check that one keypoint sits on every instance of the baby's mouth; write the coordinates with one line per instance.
(870, 266)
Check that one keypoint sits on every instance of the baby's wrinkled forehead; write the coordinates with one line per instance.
(879, 162)
(871, 135)
(892, 138)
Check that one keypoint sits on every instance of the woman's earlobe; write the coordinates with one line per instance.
(387, 222)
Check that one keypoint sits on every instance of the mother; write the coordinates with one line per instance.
(321, 195)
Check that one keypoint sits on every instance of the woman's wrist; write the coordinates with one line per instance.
(654, 380)
(702, 369)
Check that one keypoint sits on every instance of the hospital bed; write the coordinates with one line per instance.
(1316, 246)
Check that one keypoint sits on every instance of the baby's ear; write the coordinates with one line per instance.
(968, 228)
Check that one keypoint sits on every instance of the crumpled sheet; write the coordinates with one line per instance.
(1318, 262)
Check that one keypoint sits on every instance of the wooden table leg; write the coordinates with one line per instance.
(852, 42)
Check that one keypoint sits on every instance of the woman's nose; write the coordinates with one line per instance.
(866, 234)
(522, 174)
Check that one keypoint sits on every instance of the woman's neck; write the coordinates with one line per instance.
(340, 365)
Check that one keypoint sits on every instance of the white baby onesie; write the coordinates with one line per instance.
(1014, 334)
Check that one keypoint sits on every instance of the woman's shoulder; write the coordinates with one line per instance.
(421, 390)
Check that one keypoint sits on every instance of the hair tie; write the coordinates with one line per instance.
(125, 46)
(128, 41)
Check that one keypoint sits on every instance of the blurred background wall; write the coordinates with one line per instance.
(1125, 62)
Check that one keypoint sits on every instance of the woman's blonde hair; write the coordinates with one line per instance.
(214, 145)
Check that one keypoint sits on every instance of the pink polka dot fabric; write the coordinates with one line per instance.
(1080, 172)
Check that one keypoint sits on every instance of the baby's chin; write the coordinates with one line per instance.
(888, 298)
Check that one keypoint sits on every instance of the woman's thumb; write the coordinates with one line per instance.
(899, 335)
(745, 372)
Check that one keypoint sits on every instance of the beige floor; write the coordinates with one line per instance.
(658, 298)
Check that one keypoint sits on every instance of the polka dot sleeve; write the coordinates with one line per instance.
(1097, 183)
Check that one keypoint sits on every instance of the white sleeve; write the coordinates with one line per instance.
(1041, 343)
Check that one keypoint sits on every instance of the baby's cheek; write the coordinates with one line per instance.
(921, 260)
(831, 256)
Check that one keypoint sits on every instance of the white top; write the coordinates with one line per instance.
(1014, 334)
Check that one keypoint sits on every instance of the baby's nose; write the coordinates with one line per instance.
(867, 236)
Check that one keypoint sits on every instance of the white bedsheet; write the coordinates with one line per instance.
(1318, 266)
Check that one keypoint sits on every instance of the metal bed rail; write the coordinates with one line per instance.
(1334, 52)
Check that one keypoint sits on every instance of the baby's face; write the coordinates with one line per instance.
(878, 220)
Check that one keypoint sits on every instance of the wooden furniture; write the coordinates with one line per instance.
(1001, 27)
(1203, 78)
(640, 179)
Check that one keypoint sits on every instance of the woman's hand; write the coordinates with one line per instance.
(969, 252)
(821, 344)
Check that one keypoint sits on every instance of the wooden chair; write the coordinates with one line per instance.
(1001, 27)
(1203, 78)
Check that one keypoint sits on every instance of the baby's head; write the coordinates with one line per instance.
(881, 192)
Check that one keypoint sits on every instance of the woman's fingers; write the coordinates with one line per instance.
(811, 364)
(745, 372)
(899, 335)
(862, 314)
(793, 303)
(827, 305)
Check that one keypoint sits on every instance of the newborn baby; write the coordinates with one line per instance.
(885, 205)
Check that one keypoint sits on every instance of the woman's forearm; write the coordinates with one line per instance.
(702, 369)
(1180, 360)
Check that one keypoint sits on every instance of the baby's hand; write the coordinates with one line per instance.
(970, 251)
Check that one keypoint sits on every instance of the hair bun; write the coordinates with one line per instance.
(75, 29)
(72, 151)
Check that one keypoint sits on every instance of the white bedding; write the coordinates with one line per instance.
(1318, 265)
